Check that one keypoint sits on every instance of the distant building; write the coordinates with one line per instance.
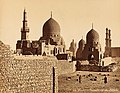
(72, 48)
(110, 51)
(51, 43)
(108, 43)
(91, 50)
(115, 51)
(80, 49)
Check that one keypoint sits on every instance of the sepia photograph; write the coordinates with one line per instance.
(59, 46)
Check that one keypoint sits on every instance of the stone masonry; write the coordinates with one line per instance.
(27, 74)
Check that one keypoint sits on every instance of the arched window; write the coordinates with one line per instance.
(63, 49)
(58, 51)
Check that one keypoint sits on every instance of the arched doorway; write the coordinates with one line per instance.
(90, 57)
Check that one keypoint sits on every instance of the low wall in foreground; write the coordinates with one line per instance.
(27, 74)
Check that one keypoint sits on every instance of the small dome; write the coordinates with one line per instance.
(81, 43)
(51, 28)
(72, 45)
(92, 36)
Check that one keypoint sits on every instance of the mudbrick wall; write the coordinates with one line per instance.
(27, 74)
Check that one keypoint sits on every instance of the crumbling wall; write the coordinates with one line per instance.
(5, 58)
(27, 74)
(65, 67)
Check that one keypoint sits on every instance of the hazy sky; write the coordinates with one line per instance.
(75, 18)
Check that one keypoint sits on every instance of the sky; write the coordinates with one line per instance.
(75, 18)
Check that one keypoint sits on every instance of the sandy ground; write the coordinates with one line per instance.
(91, 82)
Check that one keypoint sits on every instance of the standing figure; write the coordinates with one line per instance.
(80, 79)
(105, 80)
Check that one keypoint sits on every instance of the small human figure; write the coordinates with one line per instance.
(105, 80)
(80, 79)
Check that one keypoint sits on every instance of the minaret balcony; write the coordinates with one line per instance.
(25, 30)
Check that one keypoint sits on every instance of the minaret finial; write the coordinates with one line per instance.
(24, 14)
(92, 25)
(51, 14)
(24, 9)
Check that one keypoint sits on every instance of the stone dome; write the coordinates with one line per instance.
(92, 37)
(81, 43)
(51, 28)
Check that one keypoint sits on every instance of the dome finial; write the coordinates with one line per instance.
(51, 14)
(92, 25)
(82, 37)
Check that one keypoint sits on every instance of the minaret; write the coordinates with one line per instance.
(24, 29)
(107, 38)
(108, 43)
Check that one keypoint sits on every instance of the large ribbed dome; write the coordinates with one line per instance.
(92, 36)
(51, 28)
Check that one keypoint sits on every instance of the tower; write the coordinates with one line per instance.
(24, 43)
(24, 29)
(107, 38)
(108, 43)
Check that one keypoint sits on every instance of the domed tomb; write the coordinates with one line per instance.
(92, 37)
(51, 28)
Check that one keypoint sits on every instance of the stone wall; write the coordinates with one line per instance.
(106, 61)
(30, 74)
(5, 58)
(65, 66)
(90, 68)
(27, 74)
